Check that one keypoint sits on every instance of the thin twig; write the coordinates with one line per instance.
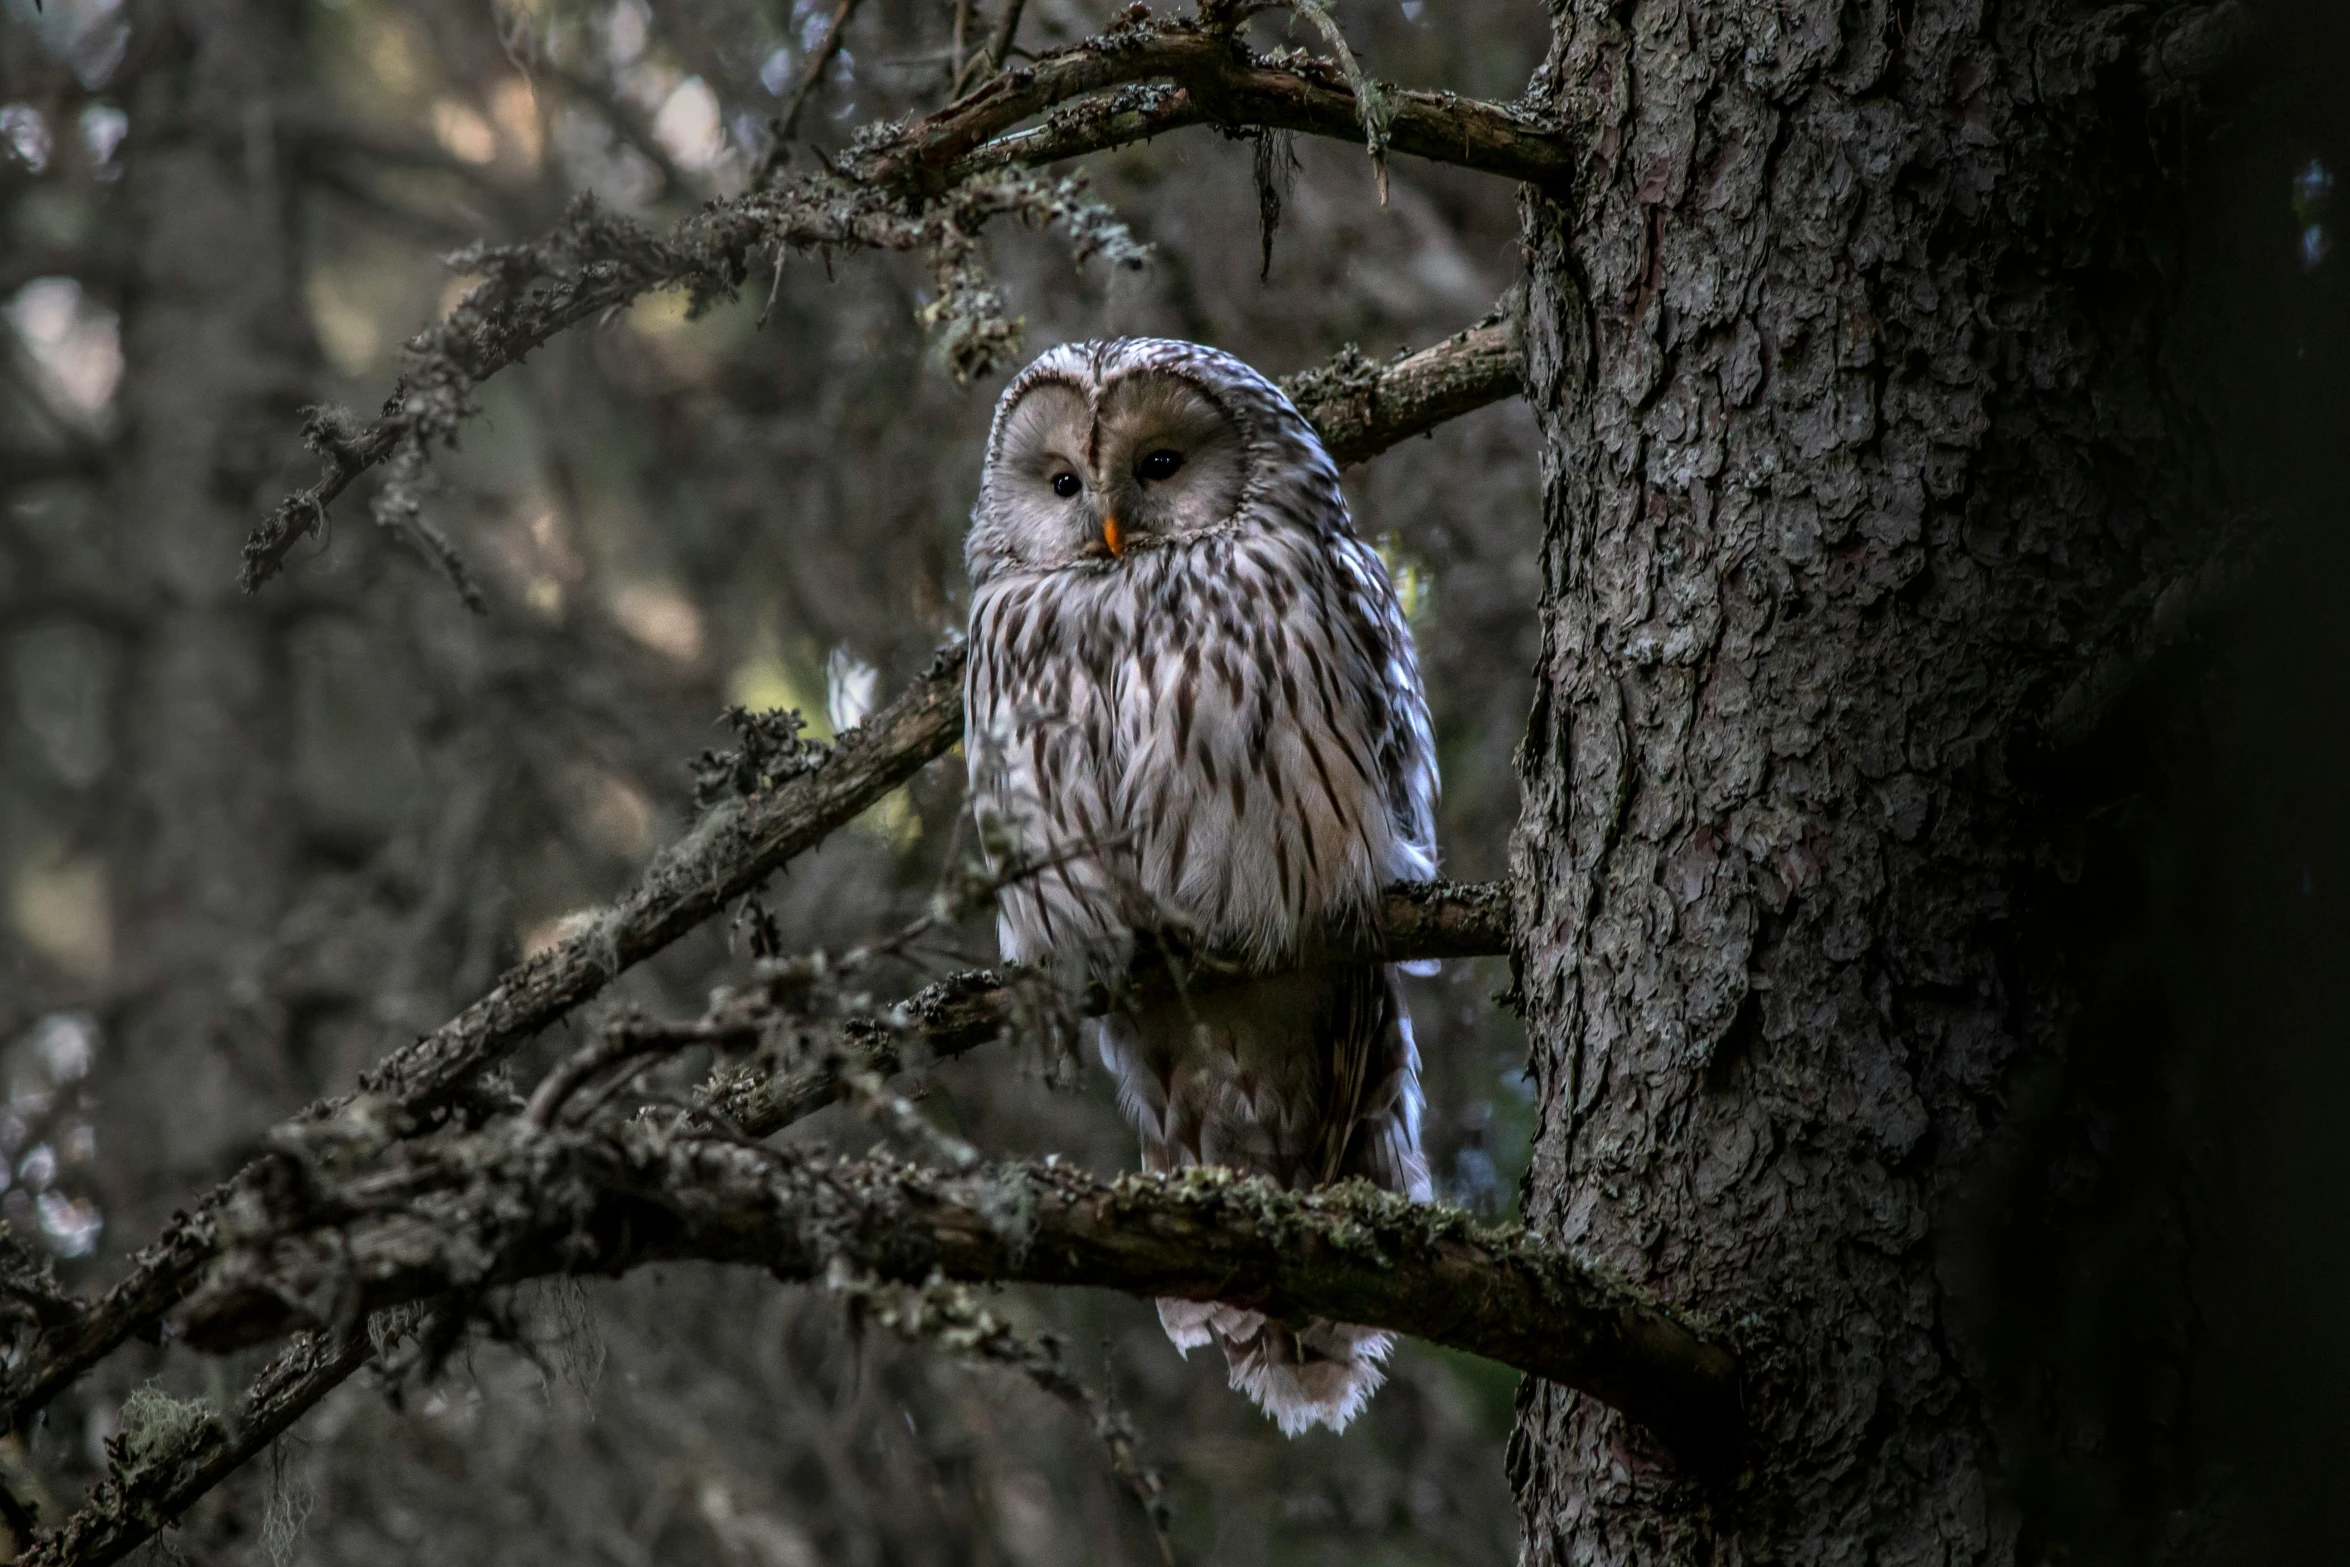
(999, 43)
(825, 50)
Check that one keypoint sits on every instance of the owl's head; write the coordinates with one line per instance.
(1104, 450)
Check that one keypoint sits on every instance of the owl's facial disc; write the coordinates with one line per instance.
(1082, 481)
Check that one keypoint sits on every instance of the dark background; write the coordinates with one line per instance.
(223, 899)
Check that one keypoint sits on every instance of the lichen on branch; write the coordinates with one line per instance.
(323, 1236)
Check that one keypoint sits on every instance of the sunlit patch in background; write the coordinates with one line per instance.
(660, 618)
(687, 125)
(537, 552)
(661, 314)
(2313, 194)
(47, 1143)
(893, 820)
(26, 135)
(463, 132)
(779, 70)
(75, 347)
(553, 932)
(516, 109)
(103, 129)
(57, 905)
(615, 814)
(1415, 582)
(764, 683)
(454, 291)
(627, 29)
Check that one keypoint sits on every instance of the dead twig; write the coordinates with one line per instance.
(787, 125)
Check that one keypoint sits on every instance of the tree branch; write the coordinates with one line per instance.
(1361, 408)
(146, 1491)
(927, 185)
(1225, 83)
(950, 1017)
(730, 851)
(963, 1011)
(322, 1247)
(735, 847)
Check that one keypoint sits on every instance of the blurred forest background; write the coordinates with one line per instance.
(248, 845)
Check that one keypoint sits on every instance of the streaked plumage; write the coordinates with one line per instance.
(1192, 691)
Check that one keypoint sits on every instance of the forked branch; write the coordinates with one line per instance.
(963, 1011)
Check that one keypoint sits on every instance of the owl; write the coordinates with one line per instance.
(1194, 706)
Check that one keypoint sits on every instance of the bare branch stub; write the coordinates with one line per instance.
(501, 1206)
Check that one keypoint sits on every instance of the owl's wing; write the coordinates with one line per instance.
(1404, 740)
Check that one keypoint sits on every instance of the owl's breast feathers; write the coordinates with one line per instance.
(1223, 734)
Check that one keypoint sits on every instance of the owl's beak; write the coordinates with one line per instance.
(1110, 536)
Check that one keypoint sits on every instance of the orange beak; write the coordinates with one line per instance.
(1110, 536)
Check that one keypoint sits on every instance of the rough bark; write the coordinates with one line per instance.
(1843, 354)
(1360, 408)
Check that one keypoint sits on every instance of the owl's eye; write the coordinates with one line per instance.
(1066, 485)
(1159, 465)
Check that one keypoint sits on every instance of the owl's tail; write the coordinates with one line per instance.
(1321, 1374)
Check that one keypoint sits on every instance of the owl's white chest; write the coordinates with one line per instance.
(1201, 735)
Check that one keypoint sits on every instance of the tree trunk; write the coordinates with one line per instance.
(203, 850)
(1844, 358)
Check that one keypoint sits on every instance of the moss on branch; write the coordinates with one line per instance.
(949, 1017)
(320, 1245)
(146, 1490)
(1213, 80)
